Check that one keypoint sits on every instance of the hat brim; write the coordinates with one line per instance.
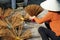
(52, 6)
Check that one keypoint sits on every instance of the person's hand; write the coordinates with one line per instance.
(31, 17)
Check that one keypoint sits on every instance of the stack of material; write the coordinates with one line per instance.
(33, 9)
(11, 25)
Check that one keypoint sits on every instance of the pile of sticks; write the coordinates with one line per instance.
(11, 25)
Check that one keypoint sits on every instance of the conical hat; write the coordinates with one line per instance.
(52, 5)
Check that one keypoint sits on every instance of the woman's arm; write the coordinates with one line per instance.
(44, 19)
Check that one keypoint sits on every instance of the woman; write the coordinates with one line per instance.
(52, 17)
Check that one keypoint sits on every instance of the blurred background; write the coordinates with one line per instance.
(13, 3)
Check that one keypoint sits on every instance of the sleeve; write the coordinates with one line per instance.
(47, 17)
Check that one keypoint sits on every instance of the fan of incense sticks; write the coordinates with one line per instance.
(12, 28)
(33, 9)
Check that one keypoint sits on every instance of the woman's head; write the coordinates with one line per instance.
(52, 5)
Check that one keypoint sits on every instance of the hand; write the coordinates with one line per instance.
(31, 18)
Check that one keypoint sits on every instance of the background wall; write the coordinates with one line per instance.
(35, 1)
(4, 1)
(8, 2)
